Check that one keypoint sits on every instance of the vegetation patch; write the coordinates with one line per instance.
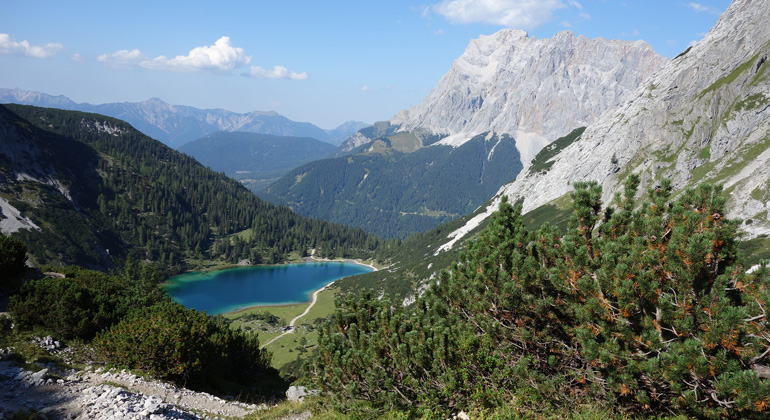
(705, 153)
(756, 250)
(683, 53)
(542, 161)
(730, 78)
(551, 213)
(172, 342)
(636, 308)
(752, 102)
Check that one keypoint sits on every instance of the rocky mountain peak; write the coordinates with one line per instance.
(534, 89)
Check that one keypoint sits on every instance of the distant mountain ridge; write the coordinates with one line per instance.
(394, 193)
(176, 125)
(256, 160)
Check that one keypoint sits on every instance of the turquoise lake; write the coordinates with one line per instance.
(227, 290)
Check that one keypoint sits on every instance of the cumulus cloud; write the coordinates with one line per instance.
(701, 8)
(10, 47)
(524, 14)
(278, 72)
(220, 57)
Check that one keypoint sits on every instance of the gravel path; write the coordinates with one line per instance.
(66, 394)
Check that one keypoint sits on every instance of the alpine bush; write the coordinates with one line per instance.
(170, 341)
(639, 307)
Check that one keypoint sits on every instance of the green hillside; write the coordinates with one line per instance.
(257, 160)
(395, 194)
(99, 191)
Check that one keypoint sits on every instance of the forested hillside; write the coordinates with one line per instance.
(395, 194)
(97, 190)
(257, 160)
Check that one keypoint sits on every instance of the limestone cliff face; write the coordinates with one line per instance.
(703, 117)
(511, 83)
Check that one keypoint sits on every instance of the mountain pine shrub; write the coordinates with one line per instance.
(170, 341)
(13, 258)
(643, 307)
(85, 301)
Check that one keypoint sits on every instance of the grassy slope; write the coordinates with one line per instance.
(285, 349)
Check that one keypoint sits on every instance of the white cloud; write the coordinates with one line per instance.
(439, 32)
(524, 14)
(220, 57)
(123, 58)
(76, 57)
(566, 24)
(692, 43)
(575, 4)
(365, 88)
(278, 72)
(11, 47)
(701, 8)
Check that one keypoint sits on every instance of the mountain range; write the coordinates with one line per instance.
(704, 117)
(504, 99)
(176, 125)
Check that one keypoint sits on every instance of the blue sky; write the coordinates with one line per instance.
(321, 62)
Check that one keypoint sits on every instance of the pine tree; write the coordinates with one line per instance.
(645, 307)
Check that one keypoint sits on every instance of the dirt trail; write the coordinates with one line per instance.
(296, 318)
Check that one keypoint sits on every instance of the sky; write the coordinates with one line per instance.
(324, 62)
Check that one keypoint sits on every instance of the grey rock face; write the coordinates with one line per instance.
(704, 117)
(511, 83)
(298, 393)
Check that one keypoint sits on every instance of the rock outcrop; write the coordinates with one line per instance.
(65, 393)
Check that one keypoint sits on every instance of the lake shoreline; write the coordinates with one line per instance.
(314, 293)
(208, 275)
(357, 262)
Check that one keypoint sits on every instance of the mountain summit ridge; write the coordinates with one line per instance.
(533, 89)
(176, 125)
